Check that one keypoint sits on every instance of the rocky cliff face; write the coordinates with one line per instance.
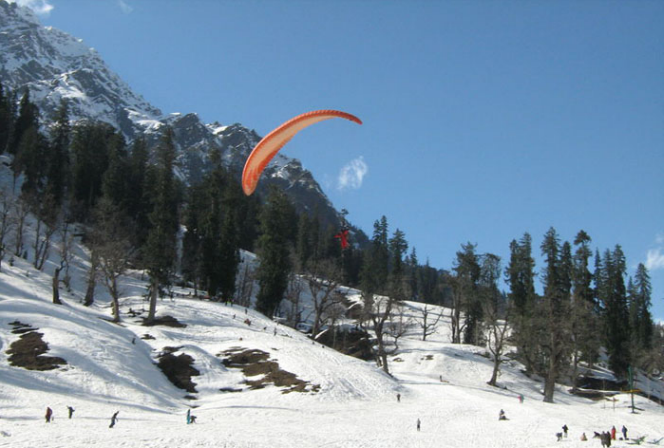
(55, 66)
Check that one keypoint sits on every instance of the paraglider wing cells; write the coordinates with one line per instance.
(275, 140)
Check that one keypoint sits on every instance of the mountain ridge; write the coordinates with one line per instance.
(54, 65)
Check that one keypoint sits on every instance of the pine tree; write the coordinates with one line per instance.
(584, 325)
(616, 313)
(467, 270)
(229, 239)
(275, 244)
(30, 159)
(397, 276)
(555, 306)
(160, 250)
(375, 267)
(58, 158)
(115, 180)
(90, 158)
(28, 117)
(640, 303)
(138, 206)
(6, 118)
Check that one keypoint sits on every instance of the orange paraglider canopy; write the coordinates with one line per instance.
(275, 140)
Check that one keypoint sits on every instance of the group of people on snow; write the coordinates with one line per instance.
(49, 417)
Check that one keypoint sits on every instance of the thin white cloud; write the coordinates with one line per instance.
(125, 7)
(40, 7)
(352, 175)
(655, 259)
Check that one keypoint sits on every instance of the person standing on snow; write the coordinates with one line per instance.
(49, 415)
(71, 411)
(418, 425)
(613, 433)
(624, 431)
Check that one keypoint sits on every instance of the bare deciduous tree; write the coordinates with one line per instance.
(497, 335)
(386, 321)
(293, 308)
(323, 282)
(19, 218)
(66, 244)
(112, 246)
(429, 320)
(245, 279)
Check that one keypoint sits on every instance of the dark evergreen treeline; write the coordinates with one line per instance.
(133, 210)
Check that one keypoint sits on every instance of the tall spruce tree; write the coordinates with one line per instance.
(90, 158)
(467, 270)
(58, 173)
(6, 118)
(555, 306)
(28, 117)
(229, 238)
(160, 250)
(278, 221)
(138, 206)
(583, 316)
(520, 276)
(640, 316)
(616, 313)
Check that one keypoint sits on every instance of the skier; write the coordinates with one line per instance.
(583, 437)
(398, 398)
(418, 425)
(565, 428)
(188, 416)
(49, 415)
(501, 415)
(114, 419)
(71, 411)
(624, 431)
(613, 433)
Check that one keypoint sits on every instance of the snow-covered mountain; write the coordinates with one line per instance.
(55, 65)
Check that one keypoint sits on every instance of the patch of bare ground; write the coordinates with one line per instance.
(28, 351)
(178, 369)
(167, 321)
(255, 362)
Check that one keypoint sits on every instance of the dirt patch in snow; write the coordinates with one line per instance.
(178, 369)
(28, 351)
(167, 321)
(255, 363)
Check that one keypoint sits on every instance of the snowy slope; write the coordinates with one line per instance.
(355, 406)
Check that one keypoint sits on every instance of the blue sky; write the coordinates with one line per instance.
(482, 119)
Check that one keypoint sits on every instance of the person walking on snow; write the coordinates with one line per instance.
(114, 419)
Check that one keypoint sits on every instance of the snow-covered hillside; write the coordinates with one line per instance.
(345, 402)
